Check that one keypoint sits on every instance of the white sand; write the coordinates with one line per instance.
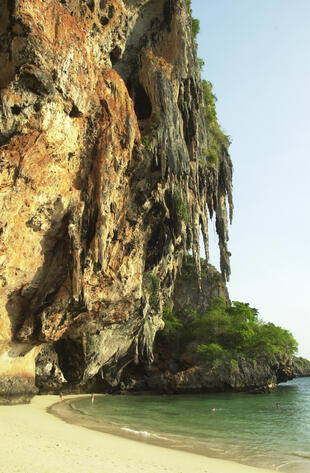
(34, 441)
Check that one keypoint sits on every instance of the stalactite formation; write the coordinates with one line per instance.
(104, 184)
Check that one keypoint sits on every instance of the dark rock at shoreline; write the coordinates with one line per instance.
(301, 366)
(254, 377)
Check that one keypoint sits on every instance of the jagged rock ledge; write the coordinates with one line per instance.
(246, 377)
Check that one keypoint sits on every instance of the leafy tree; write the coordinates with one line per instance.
(236, 328)
(270, 340)
(211, 352)
(227, 332)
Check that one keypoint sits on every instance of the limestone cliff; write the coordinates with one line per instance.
(104, 183)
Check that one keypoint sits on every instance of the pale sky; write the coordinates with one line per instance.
(257, 55)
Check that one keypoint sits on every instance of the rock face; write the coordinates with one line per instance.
(245, 377)
(189, 294)
(301, 367)
(103, 184)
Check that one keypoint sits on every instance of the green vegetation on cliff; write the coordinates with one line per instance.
(180, 207)
(235, 331)
(189, 271)
(224, 332)
(227, 332)
(195, 21)
(217, 138)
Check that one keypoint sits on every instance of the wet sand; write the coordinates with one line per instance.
(33, 440)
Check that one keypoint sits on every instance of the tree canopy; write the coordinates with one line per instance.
(228, 332)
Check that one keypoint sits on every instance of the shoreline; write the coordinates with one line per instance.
(65, 411)
(36, 441)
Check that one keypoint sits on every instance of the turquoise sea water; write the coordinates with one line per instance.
(244, 427)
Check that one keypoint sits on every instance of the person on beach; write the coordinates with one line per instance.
(60, 395)
(92, 398)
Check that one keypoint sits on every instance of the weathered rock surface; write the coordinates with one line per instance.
(247, 376)
(255, 377)
(301, 366)
(102, 129)
(188, 295)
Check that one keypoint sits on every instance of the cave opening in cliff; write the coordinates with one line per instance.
(71, 359)
(142, 103)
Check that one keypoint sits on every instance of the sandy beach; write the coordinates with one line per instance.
(35, 441)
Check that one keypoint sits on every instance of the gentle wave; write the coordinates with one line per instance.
(300, 454)
(143, 433)
(282, 465)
